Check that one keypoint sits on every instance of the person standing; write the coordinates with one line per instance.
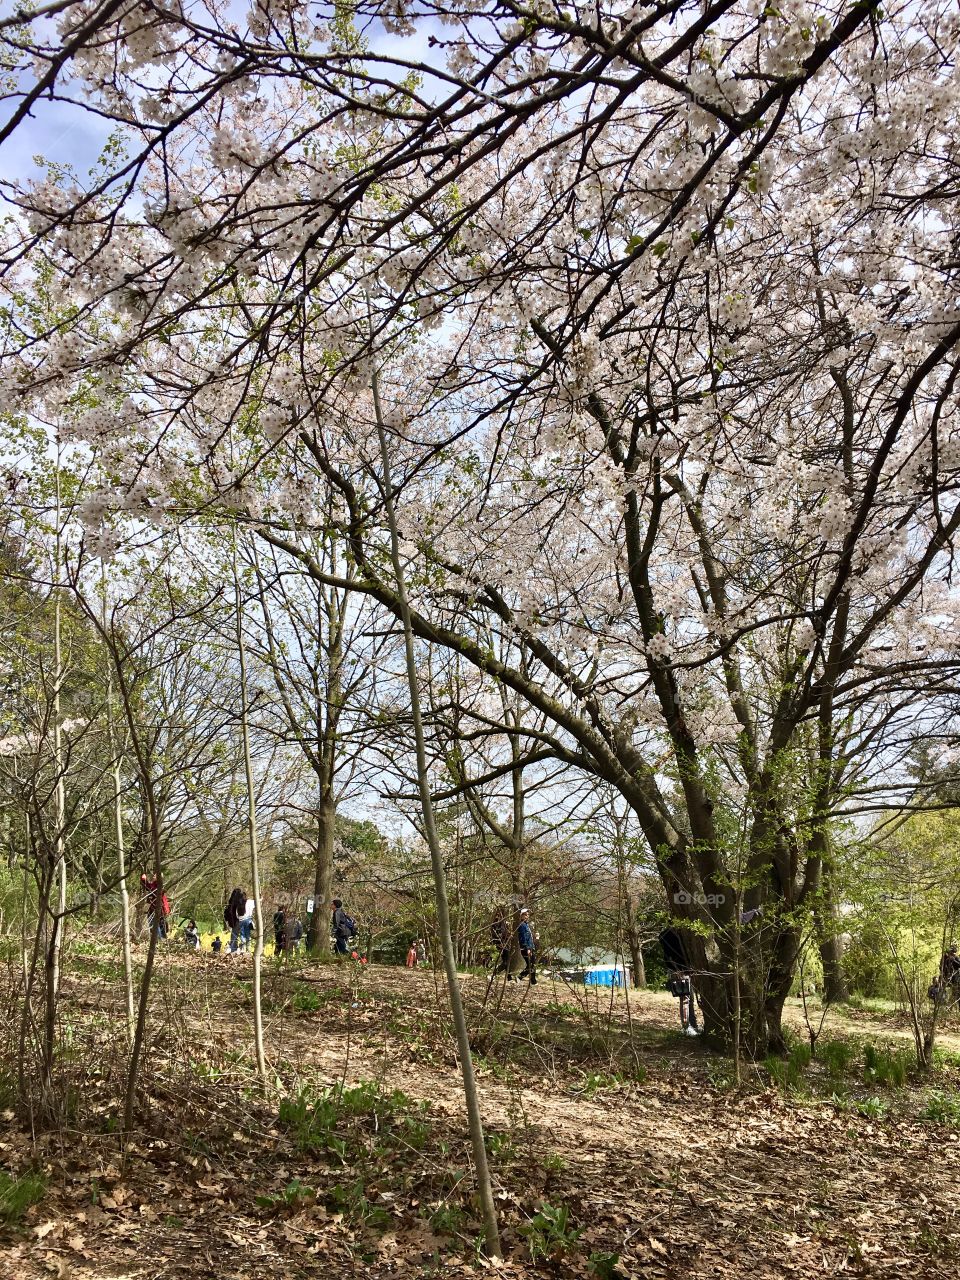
(231, 916)
(412, 955)
(246, 923)
(500, 937)
(158, 905)
(950, 966)
(528, 947)
(344, 928)
(293, 932)
(280, 930)
(680, 979)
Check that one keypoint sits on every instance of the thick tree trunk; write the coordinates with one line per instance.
(318, 934)
(827, 922)
(636, 957)
(834, 981)
(754, 1005)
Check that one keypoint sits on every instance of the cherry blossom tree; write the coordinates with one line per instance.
(662, 303)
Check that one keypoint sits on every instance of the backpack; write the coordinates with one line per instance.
(350, 925)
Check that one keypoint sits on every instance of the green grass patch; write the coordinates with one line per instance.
(836, 1057)
(887, 1067)
(317, 1120)
(307, 1001)
(18, 1194)
(787, 1073)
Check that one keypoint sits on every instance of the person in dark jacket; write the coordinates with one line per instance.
(950, 967)
(233, 912)
(280, 930)
(528, 947)
(500, 937)
(342, 927)
(680, 978)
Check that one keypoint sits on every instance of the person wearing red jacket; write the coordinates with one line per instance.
(158, 905)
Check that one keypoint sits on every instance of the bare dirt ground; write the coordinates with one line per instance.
(618, 1148)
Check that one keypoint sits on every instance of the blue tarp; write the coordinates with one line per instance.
(605, 976)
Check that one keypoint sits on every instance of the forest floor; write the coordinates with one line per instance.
(619, 1149)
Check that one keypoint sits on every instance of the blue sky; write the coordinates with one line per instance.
(58, 131)
(66, 133)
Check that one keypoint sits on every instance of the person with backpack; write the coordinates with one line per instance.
(680, 979)
(231, 917)
(344, 928)
(293, 935)
(528, 948)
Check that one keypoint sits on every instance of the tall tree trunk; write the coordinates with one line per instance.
(121, 846)
(251, 837)
(143, 1001)
(636, 957)
(59, 915)
(32, 967)
(25, 889)
(484, 1186)
(633, 935)
(124, 903)
(61, 806)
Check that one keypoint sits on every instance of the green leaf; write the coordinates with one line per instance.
(605, 1266)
